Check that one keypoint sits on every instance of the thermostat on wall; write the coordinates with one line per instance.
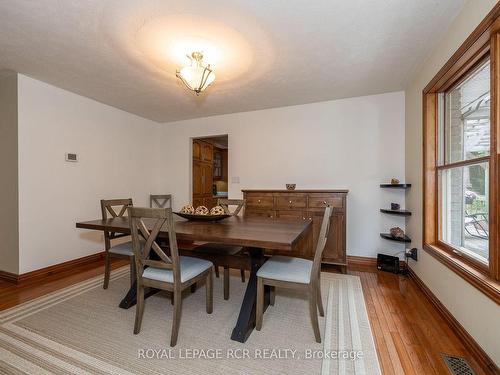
(71, 157)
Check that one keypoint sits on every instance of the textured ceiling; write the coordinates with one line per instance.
(265, 53)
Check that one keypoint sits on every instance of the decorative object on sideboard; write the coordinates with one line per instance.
(395, 206)
(397, 232)
(394, 181)
(290, 186)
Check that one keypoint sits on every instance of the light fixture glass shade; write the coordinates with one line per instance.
(196, 77)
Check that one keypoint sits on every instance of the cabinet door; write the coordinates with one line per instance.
(197, 202)
(335, 245)
(196, 150)
(207, 151)
(197, 179)
(207, 179)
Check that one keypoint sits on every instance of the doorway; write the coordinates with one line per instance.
(210, 170)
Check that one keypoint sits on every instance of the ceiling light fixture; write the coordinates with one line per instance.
(196, 77)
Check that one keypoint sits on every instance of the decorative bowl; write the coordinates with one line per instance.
(290, 186)
(192, 217)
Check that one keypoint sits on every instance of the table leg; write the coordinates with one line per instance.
(131, 298)
(246, 319)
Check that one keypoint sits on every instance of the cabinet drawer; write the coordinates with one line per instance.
(291, 201)
(291, 214)
(317, 201)
(260, 202)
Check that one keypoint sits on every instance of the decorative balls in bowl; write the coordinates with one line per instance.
(290, 186)
(202, 213)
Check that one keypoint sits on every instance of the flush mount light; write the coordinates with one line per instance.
(196, 77)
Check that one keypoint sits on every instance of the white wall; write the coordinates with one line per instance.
(350, 144)
(9, 234)
(118, 158)
(476, 312)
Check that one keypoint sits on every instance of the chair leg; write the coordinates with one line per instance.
(260, 304)
(272, 295)
(217, 271)
(139, 309)
(314, 314)
(176, 320)
(226, 283)
(132, 270)
(319, 300)
(210, 291)
(106, 270)
(242, 272)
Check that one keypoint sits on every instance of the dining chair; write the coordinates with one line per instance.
(171, 272)
(295, 273)
(116, 208)
(160, 200)
(222, 254)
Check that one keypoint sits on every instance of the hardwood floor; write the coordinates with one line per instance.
(409, 332)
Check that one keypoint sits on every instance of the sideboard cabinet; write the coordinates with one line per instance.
(306, 205)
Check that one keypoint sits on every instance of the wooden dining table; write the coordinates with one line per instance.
(256, 234)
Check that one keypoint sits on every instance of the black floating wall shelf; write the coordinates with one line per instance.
(395, 212)
(395, 186)
(388, 236)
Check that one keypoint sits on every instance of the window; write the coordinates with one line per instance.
(461, 188)
(463, 151)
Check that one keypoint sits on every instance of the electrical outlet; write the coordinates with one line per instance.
(71, 157)
(412, 253)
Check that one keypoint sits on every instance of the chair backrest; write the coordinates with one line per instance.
(322, 239)
(146, 224)
(225, 203)
(114, 208)
(160, 201)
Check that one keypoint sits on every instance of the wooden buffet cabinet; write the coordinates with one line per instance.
(306, 205)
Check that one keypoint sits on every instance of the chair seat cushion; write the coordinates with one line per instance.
(190, 268)
(296, 270)
(123, 249)
(218, 248)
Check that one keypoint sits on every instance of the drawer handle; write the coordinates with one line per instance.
(258, 201)
(310, 218)
(303, 218)
(290, 202)
(324, 202)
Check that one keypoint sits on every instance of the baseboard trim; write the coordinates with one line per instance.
(8, 276)
(51, 270)
(364, 262)
(470, 344)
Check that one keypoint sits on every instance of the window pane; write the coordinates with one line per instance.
(467, 117)
(463, 206)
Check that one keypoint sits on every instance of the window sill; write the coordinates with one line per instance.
(481, 281)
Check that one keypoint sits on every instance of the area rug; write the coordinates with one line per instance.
(81, 330)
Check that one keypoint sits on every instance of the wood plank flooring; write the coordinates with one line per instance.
(409, 333)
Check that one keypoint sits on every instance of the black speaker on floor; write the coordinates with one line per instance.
(387, 263)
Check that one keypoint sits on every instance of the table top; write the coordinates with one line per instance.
(266, 233)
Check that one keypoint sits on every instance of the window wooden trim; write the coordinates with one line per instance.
(484, 41)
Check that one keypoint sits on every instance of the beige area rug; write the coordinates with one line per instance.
(81, 330)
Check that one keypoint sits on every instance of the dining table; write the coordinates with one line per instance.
(255, 234)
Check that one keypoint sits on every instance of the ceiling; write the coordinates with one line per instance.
(264, 53)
